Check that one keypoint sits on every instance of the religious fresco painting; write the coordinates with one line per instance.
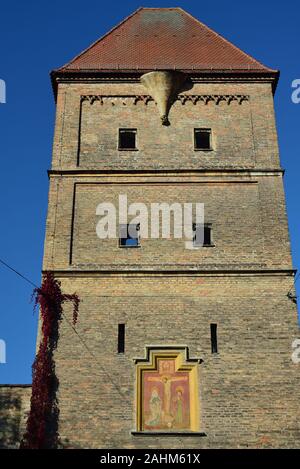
(166, 398)
(168, 394)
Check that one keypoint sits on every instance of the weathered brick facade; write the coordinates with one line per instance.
(14, 408)
(165, 294)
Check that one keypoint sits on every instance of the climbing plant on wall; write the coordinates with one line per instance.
(42, 424)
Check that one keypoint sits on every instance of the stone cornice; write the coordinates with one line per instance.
(131, 76)
(218, 172)
(15, 385)
(101, 272)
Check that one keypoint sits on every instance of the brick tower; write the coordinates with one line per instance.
(189, 347)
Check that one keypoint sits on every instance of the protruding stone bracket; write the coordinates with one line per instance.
(164, 87)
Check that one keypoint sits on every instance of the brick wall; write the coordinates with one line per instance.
(165, 294)
(244, 134)
(14, 408)
(249, 391)
(247, 215)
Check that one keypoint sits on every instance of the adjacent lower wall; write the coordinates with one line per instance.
(248, 392)
(14, 408)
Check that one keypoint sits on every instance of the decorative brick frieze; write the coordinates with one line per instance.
(182, 98)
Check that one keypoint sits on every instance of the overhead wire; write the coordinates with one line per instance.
(8, 266)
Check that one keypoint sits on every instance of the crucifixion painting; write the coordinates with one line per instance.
(166, 397)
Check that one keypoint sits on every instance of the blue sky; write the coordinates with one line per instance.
(37, 36)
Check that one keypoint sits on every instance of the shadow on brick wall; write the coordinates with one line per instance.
(10, 419)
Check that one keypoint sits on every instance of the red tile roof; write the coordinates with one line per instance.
(163, 38)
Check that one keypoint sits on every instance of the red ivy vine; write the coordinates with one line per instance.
(42, 424)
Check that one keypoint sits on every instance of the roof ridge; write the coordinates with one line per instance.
(226, 40)
(161, 8)
(100, 39)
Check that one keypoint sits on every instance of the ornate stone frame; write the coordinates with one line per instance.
(183, 363)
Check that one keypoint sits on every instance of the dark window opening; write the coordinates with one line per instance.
(121, 338)
(202, 139)
(127, 139)
(202, 234)
(129, 236)
(213, 338)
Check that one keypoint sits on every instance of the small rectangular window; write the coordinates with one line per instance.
(127, 139)
(129, 236)
(121, 338)
(202, 139)
(214, 338)
(202, 235)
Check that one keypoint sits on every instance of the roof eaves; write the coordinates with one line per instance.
(271, 75)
